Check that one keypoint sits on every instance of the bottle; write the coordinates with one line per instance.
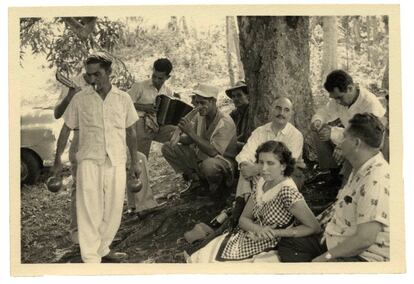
(219, 219)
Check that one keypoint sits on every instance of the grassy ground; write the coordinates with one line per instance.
(154, 238)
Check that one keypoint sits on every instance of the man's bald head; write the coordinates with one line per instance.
(283, 111)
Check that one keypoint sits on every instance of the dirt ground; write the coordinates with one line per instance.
(155, 237)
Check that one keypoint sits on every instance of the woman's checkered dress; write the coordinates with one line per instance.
(273, 211)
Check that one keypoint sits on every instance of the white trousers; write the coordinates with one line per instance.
(100, 192)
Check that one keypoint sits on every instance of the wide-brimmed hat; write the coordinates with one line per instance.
(206, 91)
(239, 85)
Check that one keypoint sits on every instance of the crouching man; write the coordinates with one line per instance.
(359, 228)
(208, 144)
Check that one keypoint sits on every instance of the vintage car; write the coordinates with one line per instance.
(39, 132)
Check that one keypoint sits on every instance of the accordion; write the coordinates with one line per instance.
(170, 110)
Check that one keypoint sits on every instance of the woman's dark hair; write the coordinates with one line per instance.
(339, 79)
(281, 151)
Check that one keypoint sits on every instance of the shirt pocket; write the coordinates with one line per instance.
(116, 114)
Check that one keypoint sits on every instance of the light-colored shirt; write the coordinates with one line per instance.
(101, 124)
(221, 134)
(144, 92)
(79, 81)
(366, 102)
(365, 198)
(290, 136)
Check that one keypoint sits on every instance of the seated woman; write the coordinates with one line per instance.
(268, 215)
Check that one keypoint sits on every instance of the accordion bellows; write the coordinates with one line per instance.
(170, 110)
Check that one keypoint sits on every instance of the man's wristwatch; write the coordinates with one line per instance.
(328, 255)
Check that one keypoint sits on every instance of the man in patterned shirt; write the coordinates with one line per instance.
(359, 228)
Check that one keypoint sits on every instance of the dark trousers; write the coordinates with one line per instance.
(305, 249)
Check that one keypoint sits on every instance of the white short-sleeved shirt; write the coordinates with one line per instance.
(101, 124)
(290, 136)
(144, 92)
(365, 198)
(366, 102)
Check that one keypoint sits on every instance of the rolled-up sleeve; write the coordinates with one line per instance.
(248, 153)
(135, 92)
(131, 114)
(71, 115)
(223, 135)
(326, 113)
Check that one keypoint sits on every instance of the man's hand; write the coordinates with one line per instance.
(316, 125)
(249, 170)
(325, 133)
(56, 169)
(186, 126)
(135, 170)
(321, 258)
(337, 155)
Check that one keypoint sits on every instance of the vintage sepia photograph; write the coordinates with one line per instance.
(242, 138)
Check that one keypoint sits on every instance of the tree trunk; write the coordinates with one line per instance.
(229, 49)
(357, 33)
(385, 78)
(369, 38)
(330, 42)
(236, 46)
(275, 54)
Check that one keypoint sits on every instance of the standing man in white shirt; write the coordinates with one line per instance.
(81, 81)
(346, 100)
(106, 120)
(143, 95)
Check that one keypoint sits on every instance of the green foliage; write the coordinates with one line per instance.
(65, 51)
(196, 56)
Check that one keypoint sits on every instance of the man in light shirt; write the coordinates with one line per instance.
(359, 228)
(143, 95)
(280, 129)
(81, 81)
(106, 120)
(346, 100)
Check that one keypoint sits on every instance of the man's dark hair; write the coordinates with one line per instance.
(281, 151)
(368, 128)
(339, 79)
(163, 65)
(105, 64)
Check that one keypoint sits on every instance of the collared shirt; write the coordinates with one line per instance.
(144, 92)
(289, 135)
(240, 117)
(363, 199)
(221, 133)
(366, 102)
(102, 124)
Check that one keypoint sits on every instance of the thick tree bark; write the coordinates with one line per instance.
(275, 54)
(330, 40)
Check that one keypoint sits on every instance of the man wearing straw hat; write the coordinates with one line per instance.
(208, 144)
(239, 94)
